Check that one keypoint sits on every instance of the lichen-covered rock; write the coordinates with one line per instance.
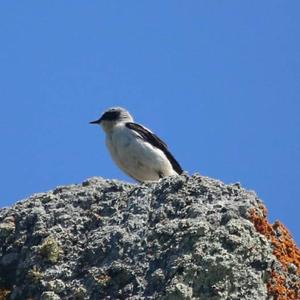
(179, 238)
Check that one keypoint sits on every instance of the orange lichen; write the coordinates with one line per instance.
(103, 279)
(276, 286)
(4, 293)
(286, 251)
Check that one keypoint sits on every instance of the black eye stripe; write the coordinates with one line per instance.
(111, 115)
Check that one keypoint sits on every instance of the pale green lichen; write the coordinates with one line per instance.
(80, 293)
(35, 275)
(49, 295)
(50, 250)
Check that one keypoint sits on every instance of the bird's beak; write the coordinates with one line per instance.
(96, 122)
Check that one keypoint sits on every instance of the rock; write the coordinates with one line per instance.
(179, 238)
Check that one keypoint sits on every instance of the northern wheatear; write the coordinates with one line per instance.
(136, 150)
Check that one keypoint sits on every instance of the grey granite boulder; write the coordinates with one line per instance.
(179, 238)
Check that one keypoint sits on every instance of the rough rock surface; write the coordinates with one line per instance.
(180, 238)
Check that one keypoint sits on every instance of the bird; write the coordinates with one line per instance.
(140, 153)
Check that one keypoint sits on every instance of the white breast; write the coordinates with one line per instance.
(136, 157)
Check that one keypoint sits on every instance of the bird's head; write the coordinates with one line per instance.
(112, 117)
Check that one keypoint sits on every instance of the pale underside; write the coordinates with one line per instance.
(137, 158)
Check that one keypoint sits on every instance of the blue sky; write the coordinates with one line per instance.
(217, 80)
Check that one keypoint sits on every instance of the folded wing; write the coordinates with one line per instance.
(155, 141)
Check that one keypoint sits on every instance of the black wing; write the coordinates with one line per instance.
(155, 141)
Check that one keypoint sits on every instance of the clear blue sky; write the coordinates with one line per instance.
(219, 81)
